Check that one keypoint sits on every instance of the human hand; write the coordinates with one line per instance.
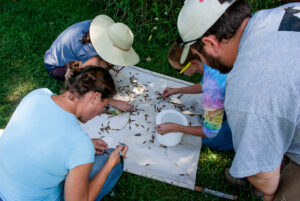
(121, 105)
(114, 157)
(168, 92)
(100, 146)
(72, 67)
(165, 128)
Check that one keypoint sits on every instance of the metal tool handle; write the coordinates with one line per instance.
(215, 193)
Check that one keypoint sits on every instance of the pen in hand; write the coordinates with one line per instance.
(121, 156)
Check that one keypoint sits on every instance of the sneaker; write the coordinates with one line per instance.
(257, 193)
(241, 183)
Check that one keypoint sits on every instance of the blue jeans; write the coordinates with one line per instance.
(113, 176)
(223, 141)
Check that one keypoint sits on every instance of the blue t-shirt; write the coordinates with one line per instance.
(40, 145)
(67, 47)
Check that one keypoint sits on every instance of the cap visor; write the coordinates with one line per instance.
(184, 54)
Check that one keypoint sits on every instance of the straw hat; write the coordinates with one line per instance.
(113, 41)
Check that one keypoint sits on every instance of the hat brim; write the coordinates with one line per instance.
(184, 54)
(104, 46)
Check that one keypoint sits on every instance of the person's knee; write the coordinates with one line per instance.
(118, 169)
(100, 160)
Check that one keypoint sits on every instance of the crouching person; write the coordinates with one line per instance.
(44, 153)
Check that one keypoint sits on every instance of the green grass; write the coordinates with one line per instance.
(29, 27)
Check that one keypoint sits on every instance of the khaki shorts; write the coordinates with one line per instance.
(289, 185)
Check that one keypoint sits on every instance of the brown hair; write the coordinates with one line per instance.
(85, 38)
(175, 54)
(89, 78)
(227, 25)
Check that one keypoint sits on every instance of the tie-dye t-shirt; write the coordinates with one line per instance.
(213, 96)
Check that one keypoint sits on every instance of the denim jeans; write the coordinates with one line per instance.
(111, 179)
(223, 141)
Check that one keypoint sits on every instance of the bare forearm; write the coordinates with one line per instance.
(98, 181)
(191, 130)
(194, 89)
(266, 182)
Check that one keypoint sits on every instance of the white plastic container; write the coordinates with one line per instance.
(172, 116)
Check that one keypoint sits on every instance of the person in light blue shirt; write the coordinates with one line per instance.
(44, 153)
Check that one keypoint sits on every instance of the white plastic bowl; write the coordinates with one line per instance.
(172, 116)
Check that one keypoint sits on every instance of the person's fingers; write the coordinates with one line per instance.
(118, 148)
(161, 133)
(102, 148)
(98, 152)
(96, 145)
(165, 92)
(101, 142)
(124, 106)
(162, 129)
(124, 151)
(159, 128)
(100, 145)
(127, 107)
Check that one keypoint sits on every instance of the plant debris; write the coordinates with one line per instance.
(186, 174)
(152, 139)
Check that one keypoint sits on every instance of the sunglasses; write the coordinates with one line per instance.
(180, 71)
(181, 44)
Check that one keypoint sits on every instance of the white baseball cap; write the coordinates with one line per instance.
(113, 41)
(195, 18)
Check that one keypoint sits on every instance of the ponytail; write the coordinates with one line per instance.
(81, 79)
(85, 38)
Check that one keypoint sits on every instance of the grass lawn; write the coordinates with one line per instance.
(28, 28)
